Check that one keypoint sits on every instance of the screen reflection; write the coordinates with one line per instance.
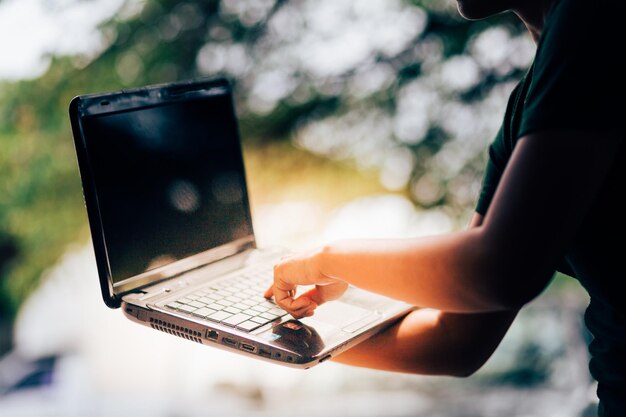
(169, 181)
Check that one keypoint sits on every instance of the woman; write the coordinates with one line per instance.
(549, 202)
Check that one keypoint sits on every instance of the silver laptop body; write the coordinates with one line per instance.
(165, 192)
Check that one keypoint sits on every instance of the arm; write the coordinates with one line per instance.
(433, 342)
(545, 192)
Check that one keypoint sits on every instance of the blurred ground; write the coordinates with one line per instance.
(74, 357)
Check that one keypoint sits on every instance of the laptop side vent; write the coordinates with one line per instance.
(176, 330)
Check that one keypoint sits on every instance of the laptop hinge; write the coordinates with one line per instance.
(185, 266)
(191, 277)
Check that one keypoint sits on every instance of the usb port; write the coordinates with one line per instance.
(247, 347)
(229, 341)
(325, 358)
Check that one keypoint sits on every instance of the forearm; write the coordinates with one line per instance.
(453, 272)
(431, 342)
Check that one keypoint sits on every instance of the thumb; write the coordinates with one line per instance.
(323, 293)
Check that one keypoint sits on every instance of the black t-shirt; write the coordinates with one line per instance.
(578, 81)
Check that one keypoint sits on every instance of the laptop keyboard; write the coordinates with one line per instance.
(236, 301)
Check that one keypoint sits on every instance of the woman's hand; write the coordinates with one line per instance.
(303, 269)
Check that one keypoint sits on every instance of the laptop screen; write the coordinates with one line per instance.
(169, 180)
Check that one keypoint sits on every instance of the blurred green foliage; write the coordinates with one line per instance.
(41, 211)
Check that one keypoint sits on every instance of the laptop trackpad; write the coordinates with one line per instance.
(342, 315)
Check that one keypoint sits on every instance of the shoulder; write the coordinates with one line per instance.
(584, 10)
(578, 68)
(570, 23)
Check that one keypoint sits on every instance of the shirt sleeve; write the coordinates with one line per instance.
(578, 73)
(499, 152)
(491, 178)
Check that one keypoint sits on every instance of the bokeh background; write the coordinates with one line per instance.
(360, 118)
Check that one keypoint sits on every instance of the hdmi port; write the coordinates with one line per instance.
(246, 347)
(229, 341)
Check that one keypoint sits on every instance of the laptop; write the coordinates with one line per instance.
(164, 184)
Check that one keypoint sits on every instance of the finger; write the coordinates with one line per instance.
(310, 311)
(297, 306)
(307, 313)
(305, 310)
(283, 290)
(315, 295)
(284, 298)
(323, 293)
(269, 293)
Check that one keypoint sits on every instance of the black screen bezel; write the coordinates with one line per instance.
(128, 100)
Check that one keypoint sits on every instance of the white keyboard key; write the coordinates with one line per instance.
(236, 319)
